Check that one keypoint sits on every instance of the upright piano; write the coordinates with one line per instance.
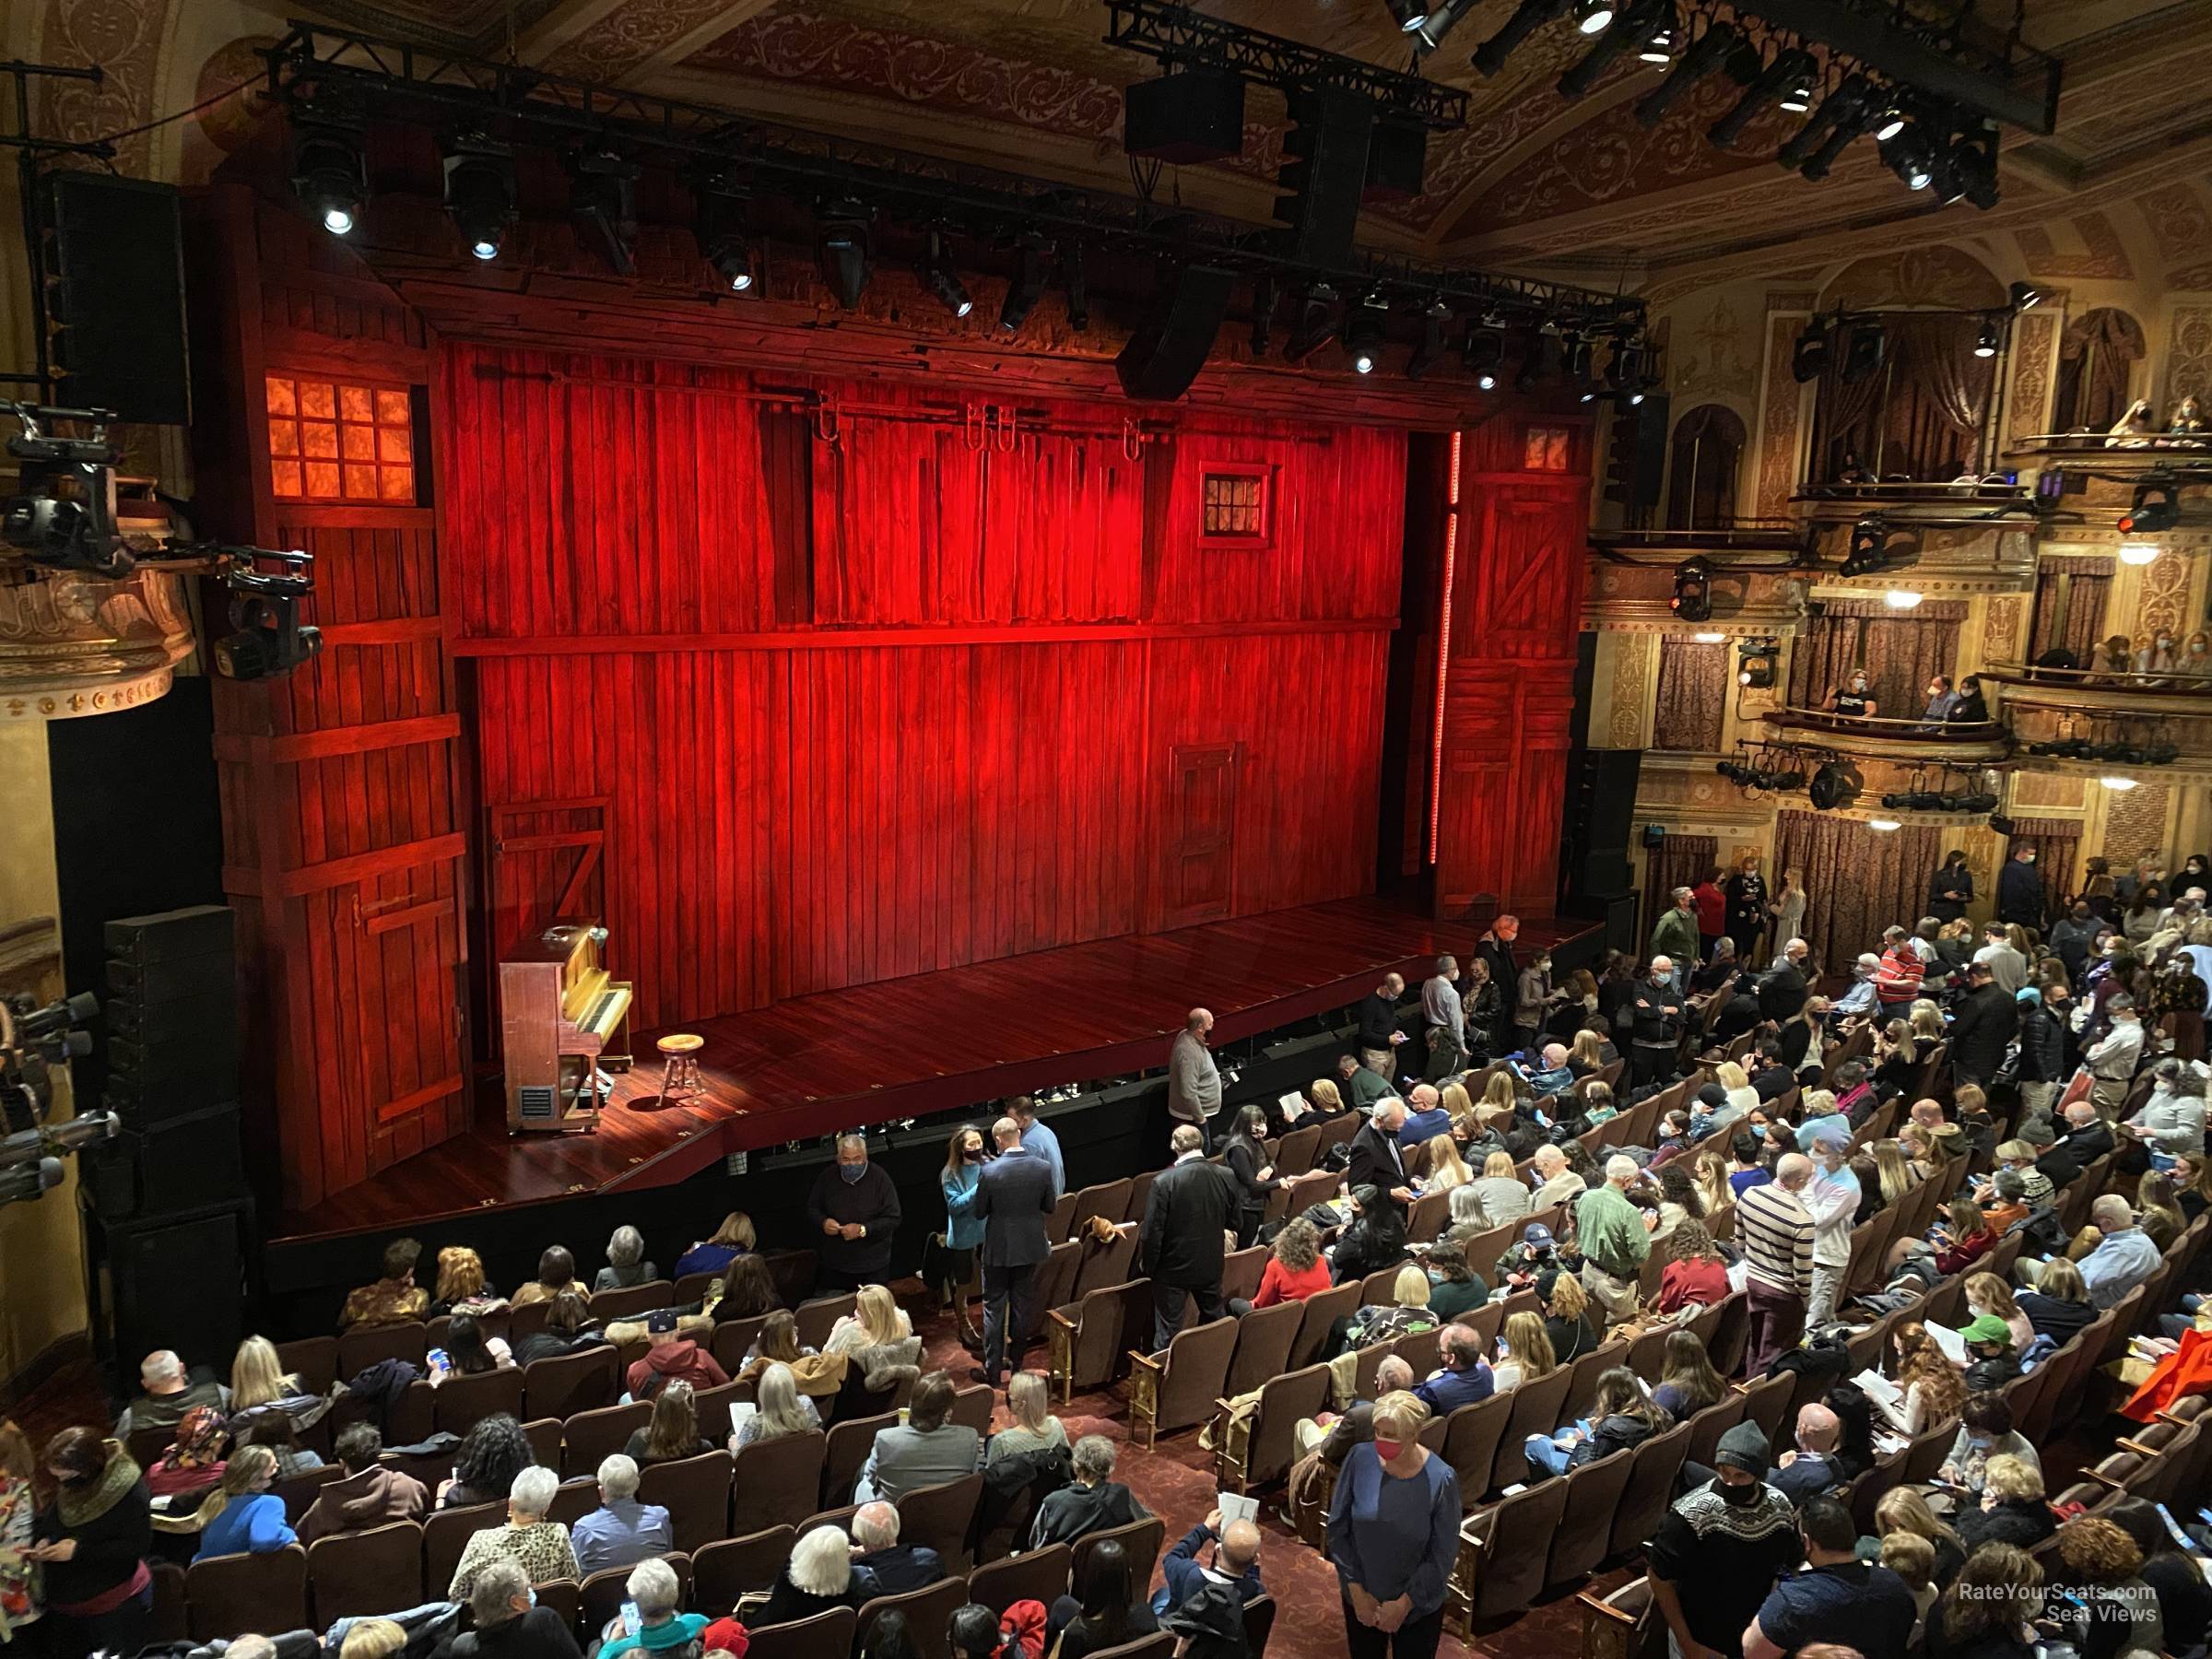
(563, 1022)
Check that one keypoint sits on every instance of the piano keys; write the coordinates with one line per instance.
(564, 1024)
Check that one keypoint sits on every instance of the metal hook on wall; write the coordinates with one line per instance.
(1008, 434)
(975, 427)
(1133, 440)
(829, 424)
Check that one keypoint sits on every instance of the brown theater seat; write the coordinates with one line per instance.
(591, 1437)
(1099, 1265)
(569, 1383)
(1594, 1493)
(696, 1493)
(446, 1532)
(1270, 1444)
(825, 1636)
(1263, 1339)
(1140, 1540)
(1471, 1436)
(928, 1612)
(729, 1567)
(1323, 1310)
(603, 1592)
(846, 1454)
(608, 1306)
(776, 1482)
(1505, 1550)
(818, 1318)
(1178, 1387)
(1041, 1576)
(240, 1594)
(1085, 1342)
(942, 1517)
(459, 1403)
(1536, 1411)
(732, 1338)
(379, 1570)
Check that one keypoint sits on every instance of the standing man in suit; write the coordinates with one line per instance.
(1194, 1081)
(1496, 948)
(1376, 1159)
(1192, 1205)
(1782, 993)
(1013, 1199)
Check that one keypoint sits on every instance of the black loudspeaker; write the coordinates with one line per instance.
(183, 1164)
(1163, 357)
(173, 1016)
(1636, 457)
(178, 1282)
(1599, 813)
(1397, 160)
(117, 299)
(1184, 119)
(1323, 174)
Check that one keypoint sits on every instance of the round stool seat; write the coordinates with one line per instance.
(681, 1042)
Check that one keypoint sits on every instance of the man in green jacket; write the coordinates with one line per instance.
(1675, 935)
(1611, 1232)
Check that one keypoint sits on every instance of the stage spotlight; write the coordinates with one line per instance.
(840, 247)
(1429, 350)
(1888, 124)
(1429, 34)
(1410, 14)
(1528, 17)
(328, 172)
(1809, 358)
(1363, 331)
(1985, 343)
(1832, 786)
(1903, 599)
(1541, 361)
(1578, 360)
(1799, 91)
(1886, 826)
(2156, 508)
(939, 276)
(1484, 353)
(1755, 665)
(1789, 70)
(1822, 161)
(479, 191)
(2025, 297)
(1704, 55)
(1869, 552)
(1910, 156)
(1659, 46)
(603, 199)
(1027, 285)
(1262, 315)
(1864, 345)
(1316, 321)
(721, 240)
(1694, 591)
(1591, 16)
(1076, 280)
(1974, 168)
(1634, 24)
(1841, 118)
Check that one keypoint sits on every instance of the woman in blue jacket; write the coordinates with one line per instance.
(964, 1157)
(248, 1519)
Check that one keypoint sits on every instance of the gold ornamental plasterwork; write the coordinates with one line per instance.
(1631, 679)
(71, 646)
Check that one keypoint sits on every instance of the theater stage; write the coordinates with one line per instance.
(930, 1042)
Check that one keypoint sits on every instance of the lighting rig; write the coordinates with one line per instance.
(35, 1038)
(2116, 741)
(1965, 797)
(1765, 771)
(336, 85)
(62, 519)
(1928, 81)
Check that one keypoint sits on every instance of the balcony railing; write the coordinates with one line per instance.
(1909, 740)
(2104, 690)
(1742, 534)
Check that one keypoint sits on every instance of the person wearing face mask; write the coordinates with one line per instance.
(92, 1543)
(2197, 656)
(854, 1207)
(1720, 1548)
(1971, 708)
(2021, 889)
(954, 1265)
(240, 1516)
(1942, 699)
(1394, 1535)
(509, 1623)
(2156, 657)
(1854, 696)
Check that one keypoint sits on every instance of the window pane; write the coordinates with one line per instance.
(317, 399)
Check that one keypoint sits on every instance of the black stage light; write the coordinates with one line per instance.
(1541, 362)
(1910, 156)
(1528, 17)
(841, 248)
(1985, 342)
(1633, 26)
(1410, 14)
(722, 239)
(941, 279)
(1832, 786)
(2025, 297)
(1756, 661)
(1841, 118)
(1429, 34)
(1704, 55)
(1429, 350)
(1076, 280)
(328, 172)
(603, 199)
(2156, 508)
(1799, 92)
(1027, 285)
(480, 190)
(1316, 321)
(1864, 345)
(1665, 37)
(1809, 358)
(1484, 353)
(1592, 16)
(1869, 552)
(270, 640)
(1822, 161)
(1784, 75)
(1974, 158)
(1735, 772)
(1694, 591)
(1579, 353)
(1889, 122)
(1363, 331)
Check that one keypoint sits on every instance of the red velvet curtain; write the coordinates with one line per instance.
(1693, 695)
(1901, 650)
(2087, 583)
(1676, 861)
(1857, 880)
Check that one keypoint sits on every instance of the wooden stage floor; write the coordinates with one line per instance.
(931, 1042)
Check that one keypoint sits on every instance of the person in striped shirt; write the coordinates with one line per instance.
(1776, 1232)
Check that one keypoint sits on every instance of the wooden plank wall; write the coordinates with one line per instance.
(343, 848)
(874, 695)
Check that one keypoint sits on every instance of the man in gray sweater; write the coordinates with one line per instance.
(1194, 1081)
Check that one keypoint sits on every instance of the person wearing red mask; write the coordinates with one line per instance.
(1393, 1534)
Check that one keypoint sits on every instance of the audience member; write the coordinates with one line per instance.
(1839, 1598)
(537, 1545)
(166, 1391)
(240, 1516)
(1294, 1271)
(1014, 1198)
(1372, 1240)
(671, 1434)
(1454, 1288)
(673, 1357)
(1194, 1080)
(2122, 1258)
(509, 1623)
(1106, 1609)
(1235, 1564)
(1500, 1195)
(621, 1532)
(626, 1264)
(1034, 1428)
(1622, 1417)
(1245, 1162)
(1698, 1273)
(1095, 1502)
(470, 1350)
(461, 1287)
(876, 1320)
(1985, 1432)
(1988, 1611)
(779, 1408)
(854, 1206)
(556, 1274)
(2012, 1509)
(1776, 1232)
(1191, 1205)
(1811, 1467)
(1720, 1548)
(1038, 1141)
(897, 1568)
(819, 1575)
(395, 1297)
(1613, 1238)
(732, 1239)
(2106, 1607)
(1394, 1535)
(370, 1494)
(1687, 1382)
(492, 1453)
(927, 1449)
(1464, 1377)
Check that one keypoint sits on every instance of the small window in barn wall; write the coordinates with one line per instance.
(333, 441)
(1233, 505)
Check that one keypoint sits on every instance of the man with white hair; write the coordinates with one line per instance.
(1357, 1425)
(1551, 1077)
(509, 1623)
(1194, 1080)
(655, 1593)
(1446, 1014)
(2123, 1258)
(537, 1546)
(2112, 1058)
(1776, 1232)
(1614, 1240)
(898, 1567)
(1657, 1009)
(1556, 1181)
(854, 1207)
(621, 1532)
(1376, 1159)
(1859, 1002)
(1811, 1468)
(166, 1391)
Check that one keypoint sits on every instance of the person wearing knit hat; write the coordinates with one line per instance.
(1719, 1550)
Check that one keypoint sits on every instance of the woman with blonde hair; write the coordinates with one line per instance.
(1988, 1293)
(876, 1320)
(1455, 1100)
(257, 1376)
(1898, 1175)
(239, 1516)
(1501, 1194)
(1394, 1533)
(1567, 1317)
(1328, 1101)
(1034, 1429)
(462, 1287)
(1405, 1314)
(1926, 1021)
(1709, 1175)
(1930, 1387)
(1736, 1082)
(372, 1639)
(1524, 1352)
(732, 1239)
(1500, 1093)
(1903, 1509)
(1586, 1055)
(1446, 1168)
(779, 1409)
(2013, 1509)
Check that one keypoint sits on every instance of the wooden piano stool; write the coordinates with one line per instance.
(679, 1067)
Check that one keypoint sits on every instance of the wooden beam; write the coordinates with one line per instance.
(329, 741)
(337, 872)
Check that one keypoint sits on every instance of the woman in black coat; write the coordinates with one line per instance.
(1251, 1171)
(1374, 1238)
(93, 1543)
(1951, 889)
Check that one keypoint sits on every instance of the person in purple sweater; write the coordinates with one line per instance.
(1393, 1534)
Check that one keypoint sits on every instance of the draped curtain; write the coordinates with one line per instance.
(2057, 842)
(1676, 861)
(2087, 583)
(1708, 448)
(2095, 356)
(1857, 880)
(1693, 695)
(1919, 415)
(1901, 653)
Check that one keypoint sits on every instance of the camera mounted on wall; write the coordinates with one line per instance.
(63, 517)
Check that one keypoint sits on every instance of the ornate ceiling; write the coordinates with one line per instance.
(1535, 182)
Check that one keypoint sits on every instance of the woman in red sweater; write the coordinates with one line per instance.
(1698, 1275)
(1294, 1271)
(1963, 1239)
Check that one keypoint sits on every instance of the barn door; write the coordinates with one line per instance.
(547, 862)
(1201, 856)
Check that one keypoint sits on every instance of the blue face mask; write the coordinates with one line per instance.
(530, 1592)
(853, 1172)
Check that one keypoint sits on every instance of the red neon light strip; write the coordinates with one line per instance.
(1443, 644)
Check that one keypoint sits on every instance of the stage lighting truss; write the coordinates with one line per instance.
(1960, 789)
(1767, 769)
(2126, 742)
